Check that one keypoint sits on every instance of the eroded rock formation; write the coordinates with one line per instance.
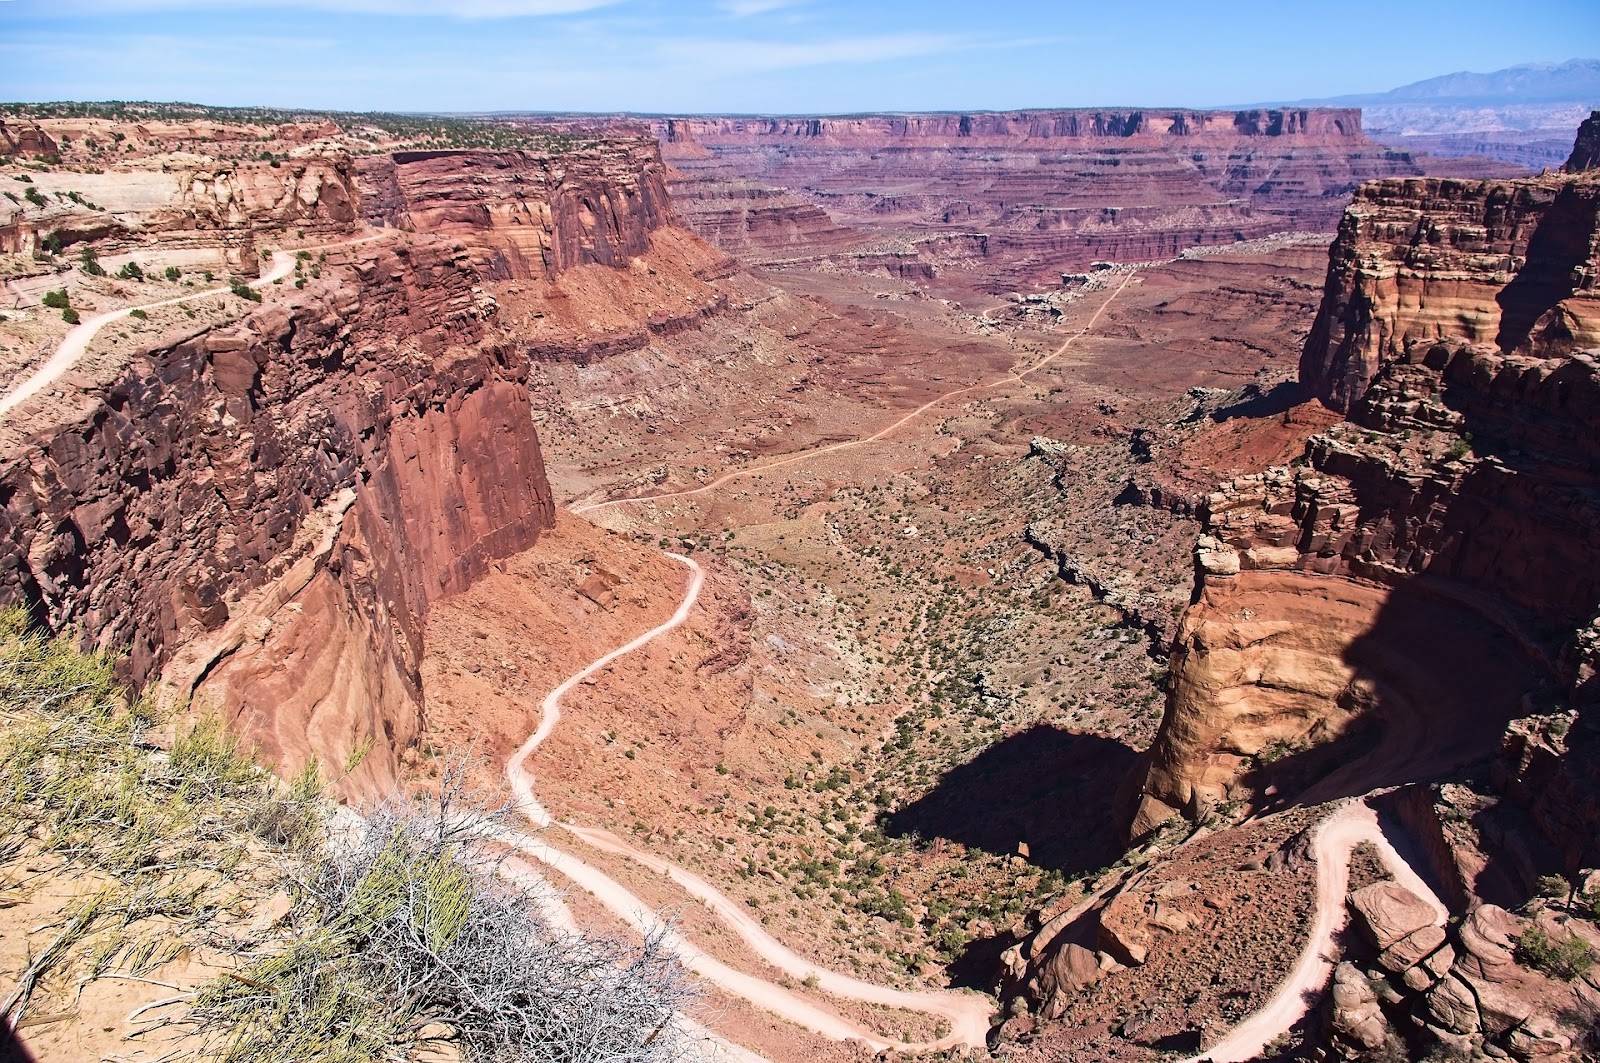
(264, 513)
(1461, 488)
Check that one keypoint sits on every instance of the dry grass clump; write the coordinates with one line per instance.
(399, 935)
(405, 935)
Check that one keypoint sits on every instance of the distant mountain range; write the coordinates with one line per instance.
(1530, 98)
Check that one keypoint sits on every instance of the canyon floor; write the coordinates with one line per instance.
(912, 650)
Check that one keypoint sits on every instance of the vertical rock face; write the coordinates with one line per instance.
(1511, 263)
(264, 513)
(524, 215)
(1451, 524)
(180, 506)
(1586, 151)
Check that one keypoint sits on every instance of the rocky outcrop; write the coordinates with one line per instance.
(196, 482)
(1419, 261)
(525, 215)
(1452, 521)
(25, 139)
(1586, 150)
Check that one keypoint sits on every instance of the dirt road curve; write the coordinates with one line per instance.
(967, 1013)
(1336, 838)
(77, 341)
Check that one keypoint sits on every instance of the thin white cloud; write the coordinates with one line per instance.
(728, 57)
(746, 8)
(456, 9)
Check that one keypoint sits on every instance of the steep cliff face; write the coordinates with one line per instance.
(1012, 126)
(1456, 512)
(1586, 150)
(525, 215)
(264, 513)
(366, 420)
(1416, 261)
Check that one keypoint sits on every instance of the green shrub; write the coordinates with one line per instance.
(239, 287)
(140, 314)
(56, 300)
(91, 263)
(131, 272)
(173, 273)
(70, 316)
(32, 196)
(1568, 959)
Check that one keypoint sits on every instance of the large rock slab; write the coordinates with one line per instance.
(1387, 912)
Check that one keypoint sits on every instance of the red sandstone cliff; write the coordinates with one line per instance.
(1455, 512)
(1013, 199)
(264, 513)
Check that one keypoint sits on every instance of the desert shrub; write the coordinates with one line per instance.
(405, 927)
(130, 271)
(139, 314)
(1568, 959)
(32, 195)
(56, 300)
(172, 273)
(239, 287)
(401, 929)
(90, 263)
(70, 316)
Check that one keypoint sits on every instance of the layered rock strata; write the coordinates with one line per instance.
(264, 513)
(1026, 194)
(1456, 512)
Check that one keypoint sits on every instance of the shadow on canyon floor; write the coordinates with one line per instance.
(1050, 790)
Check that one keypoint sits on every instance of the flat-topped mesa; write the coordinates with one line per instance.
(1513, 263)
(527, 214)
(1000, 128)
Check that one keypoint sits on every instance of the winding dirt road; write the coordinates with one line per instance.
(967, 1013)
(1336, 838)
(77, 341)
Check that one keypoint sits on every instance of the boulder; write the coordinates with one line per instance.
(1488, 939)
(1412, 949)
(1451, 1005)
(1356, 1015)
(1072, 967)
(1387, 912)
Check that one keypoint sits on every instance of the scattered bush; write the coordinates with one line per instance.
(131, 272)
(56, 300)
(172, 273)
(243, 290)
(91, 263)
(139, 314)
(70, 316)
(32, 196)
(1568, 959)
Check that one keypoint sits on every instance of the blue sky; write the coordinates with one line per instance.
(761, 55)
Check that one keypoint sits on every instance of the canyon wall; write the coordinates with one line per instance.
(263, 513)
(1417, 261)
(1455, 517)
(1029, 194)
(527, 216)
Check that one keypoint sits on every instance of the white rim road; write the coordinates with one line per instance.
(76, 342)
(1336, 838)
(968, 1014)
